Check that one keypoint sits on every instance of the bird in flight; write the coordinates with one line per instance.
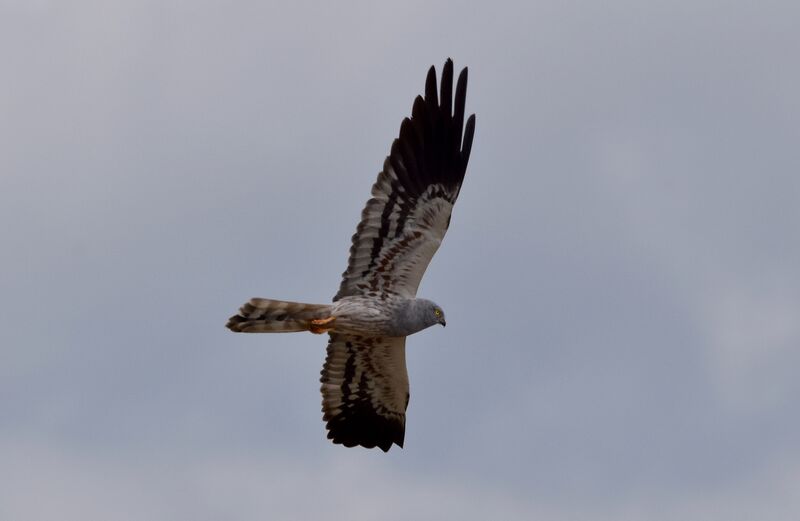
(364, 378)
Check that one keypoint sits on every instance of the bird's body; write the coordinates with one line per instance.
(388, 315)
(364, 379)
(373, 316)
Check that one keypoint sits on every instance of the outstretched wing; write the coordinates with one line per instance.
(409, 212)
(365, 391)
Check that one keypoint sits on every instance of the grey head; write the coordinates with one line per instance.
(417, 314)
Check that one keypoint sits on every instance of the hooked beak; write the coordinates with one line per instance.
(443, 323)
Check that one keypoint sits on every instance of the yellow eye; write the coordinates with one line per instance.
(437, 312)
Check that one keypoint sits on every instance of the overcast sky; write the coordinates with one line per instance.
(620, 277)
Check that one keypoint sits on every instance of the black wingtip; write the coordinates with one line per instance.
(340, 433)
(430, 87)
(447, 89)
(438, 151)
(469, 133)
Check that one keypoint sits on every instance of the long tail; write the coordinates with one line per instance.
(262, 315)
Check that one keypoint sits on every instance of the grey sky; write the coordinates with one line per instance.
(620, 278)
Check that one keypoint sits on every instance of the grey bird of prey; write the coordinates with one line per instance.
(364, 379)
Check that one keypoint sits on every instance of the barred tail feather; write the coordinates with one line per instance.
(262, 315)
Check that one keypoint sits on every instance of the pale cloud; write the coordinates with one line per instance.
(753, 339)
(48, 482)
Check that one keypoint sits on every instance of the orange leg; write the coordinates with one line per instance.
(318, 325)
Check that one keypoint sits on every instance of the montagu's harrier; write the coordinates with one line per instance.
(364, 379)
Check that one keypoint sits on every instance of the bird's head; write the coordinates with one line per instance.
(432, 313)
(417, 314)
